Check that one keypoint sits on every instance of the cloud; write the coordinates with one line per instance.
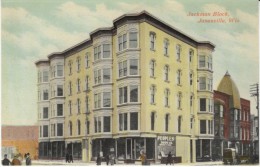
(248, 19)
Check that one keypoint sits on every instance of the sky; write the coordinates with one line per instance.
(31, 30)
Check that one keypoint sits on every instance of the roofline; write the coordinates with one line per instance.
(41, 61)
(143, 13)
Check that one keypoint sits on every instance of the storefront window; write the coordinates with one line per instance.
(121, 149)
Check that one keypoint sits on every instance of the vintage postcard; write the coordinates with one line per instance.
(139, 82)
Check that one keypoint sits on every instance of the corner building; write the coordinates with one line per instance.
(140, 85)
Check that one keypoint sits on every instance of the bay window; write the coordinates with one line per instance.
(106, 99)
(123, 95)
(133, 40)
(202, 83)
(106, 123)
(106, 50)
(133, 93)
(133, 121)
(133, 66)
(123, 121)
(202, 61)
(106, 75)
(59, 109)
(59, 70)
(59, 129)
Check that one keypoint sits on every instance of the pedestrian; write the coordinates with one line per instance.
(28, 160)
(98, 161)
(67, 158)
(169, 159)
(143, 158)
(6, 161)
(107, 159)
(71, 158)
(16, 161)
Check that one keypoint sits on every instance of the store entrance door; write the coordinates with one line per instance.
(129, 154)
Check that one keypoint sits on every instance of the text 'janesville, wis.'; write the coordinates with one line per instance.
(213, 17)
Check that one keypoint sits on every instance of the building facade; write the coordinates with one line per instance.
(19, 140)
(140, 85)
(232, 119)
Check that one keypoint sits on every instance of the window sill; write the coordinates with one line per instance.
(167, 81)
(102, 84)
(126, 104)
(152, 49)
(103, 108)
(179, 85)
(129, 77)
(153, 103)
(153, 77)
(126, 50)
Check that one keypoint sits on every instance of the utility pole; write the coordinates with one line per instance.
(254, 91)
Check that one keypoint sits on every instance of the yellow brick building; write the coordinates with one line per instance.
(140, 85)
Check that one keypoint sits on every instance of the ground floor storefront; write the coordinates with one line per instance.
(203, 149)
(52, 150)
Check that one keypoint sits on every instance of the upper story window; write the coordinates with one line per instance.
(202, 83)
(165, 47)
(166, 73)
(70, 107)
(70, 128)
(152, 40)
(106, 75)
(130, 65)
(78, 105)
(179, 124)
(97, 100)
(166, 97)
(45, 76)
(191, 78)
(128, 121)
(123, 121)
(97, 53)
(132, 91)
(179, 77)
(152, 68)
(59, 90)
(59, 70)
(203, 104)
(78, 85)
(106, 99)
(106, 50)
(45, 113)
(97, 76)
(87, 104)
(87, 83)
(133, 40)
(70, 88)
(152, 97)
(87, 57)
(122, 42)
(210, 62)
(123, 95)
(202, 61)
(152, 120)
(45, 131)
(167, 122)
(210, 83)
(39, 77)
(191, 53)
(221, 111)
(178, 52)
(78, 64)
(79, 126)
(59, 129)
(102, 124)
(179, 99)
(45, 94)
(103, 98)
(59, 109)
(70, 67)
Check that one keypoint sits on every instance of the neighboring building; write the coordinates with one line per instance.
(130, 87)
(20, 139)
(255, 134)
(232, 119)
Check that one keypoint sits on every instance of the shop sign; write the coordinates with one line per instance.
(166, 144)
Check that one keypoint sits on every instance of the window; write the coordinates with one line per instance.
(165, 46)
(45, 94)
(59, 70)
(106, 99)
(59, 129)
(87, 104)
(133, 66)
(178, 52)
(179, 96)
(122, 69)
(70, 88)
(166, 122)
(78, 105)
(87, 83)
(53, 129)
(166, 97)
(78, 64)
(59, 109)
(133, 121)
(133, 93)
(152, 120)
(87, 59)
(59, 90)
(122, 42)
(179, 124)
(70, 67)
(191, 99)
(179, 77)
(166, 72)
(210, 105)
(152, 97)
(40, 130)
(152, 40)
(133, 40)
(123, 95)
(87, 124)
(221, 111)
(122, 121)
(203, 127)
(97, 100)
(106, 124)
(202, 83)
(210, 63)
(45, 131)
(191, 78)
(70, 128)
(70, 107)
(202, 104)
(106, 75)
(78, 123)
(152, 67)
(210, 84)
(191, 53)
(202, 61)
(106, 50)
(97, 53)
(39, 77)
(45, 112)
(97, 76)
(45, 76)
(97, 124)
(209, 127)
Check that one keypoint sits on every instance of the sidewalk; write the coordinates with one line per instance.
(81, 163)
